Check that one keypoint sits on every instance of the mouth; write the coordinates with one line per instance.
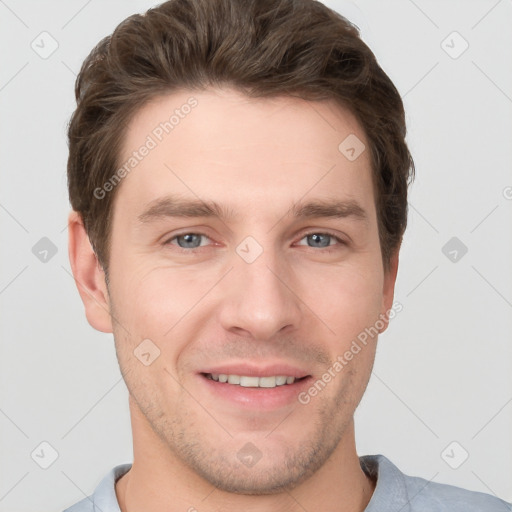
(269, 392)
(251, 381)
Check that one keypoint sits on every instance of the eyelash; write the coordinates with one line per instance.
(327, 249)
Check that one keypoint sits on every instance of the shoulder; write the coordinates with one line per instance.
(104, 497)
(426, 496)
(415, 494)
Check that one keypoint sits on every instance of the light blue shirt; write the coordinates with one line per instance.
(394, 492)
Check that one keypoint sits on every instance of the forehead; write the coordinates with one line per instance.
(221, 145)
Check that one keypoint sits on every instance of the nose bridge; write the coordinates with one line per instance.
(259, 302)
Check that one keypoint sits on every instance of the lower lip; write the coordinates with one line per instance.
(257, 398)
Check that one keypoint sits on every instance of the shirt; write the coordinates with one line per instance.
(394, 492)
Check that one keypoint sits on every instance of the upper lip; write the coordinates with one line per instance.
(262, 370)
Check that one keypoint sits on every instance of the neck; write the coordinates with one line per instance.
(159, 481)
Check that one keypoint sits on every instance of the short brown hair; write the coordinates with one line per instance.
(263, 48)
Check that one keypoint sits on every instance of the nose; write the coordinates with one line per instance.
(259, 299)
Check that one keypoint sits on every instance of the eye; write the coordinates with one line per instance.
(190, 241)
(321, 240)
(187, 240)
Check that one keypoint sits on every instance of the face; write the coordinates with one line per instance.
(245, 243)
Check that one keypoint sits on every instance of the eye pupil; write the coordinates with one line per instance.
(190, 240)
(317, 238)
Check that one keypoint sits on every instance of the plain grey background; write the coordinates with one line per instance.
(439, 402)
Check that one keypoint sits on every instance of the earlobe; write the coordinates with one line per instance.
(388, 291)
(88, 274)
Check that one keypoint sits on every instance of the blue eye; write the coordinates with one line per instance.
(188, 240)
(316, 240)
(321, 240)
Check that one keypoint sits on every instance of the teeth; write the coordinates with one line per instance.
(234, 379)
(252, 382)
(249, 382)
(267, 382)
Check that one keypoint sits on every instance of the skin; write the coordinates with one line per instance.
(297, 303)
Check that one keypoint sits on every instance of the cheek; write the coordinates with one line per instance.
(348, 298)
(155, 303)
(149, 306)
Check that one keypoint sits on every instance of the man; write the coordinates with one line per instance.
(238, 175)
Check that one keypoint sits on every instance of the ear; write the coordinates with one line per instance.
(88, 274)
(388, 289)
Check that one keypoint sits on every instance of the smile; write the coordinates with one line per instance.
(247, 381)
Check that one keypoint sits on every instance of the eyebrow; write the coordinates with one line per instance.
(175, 206)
